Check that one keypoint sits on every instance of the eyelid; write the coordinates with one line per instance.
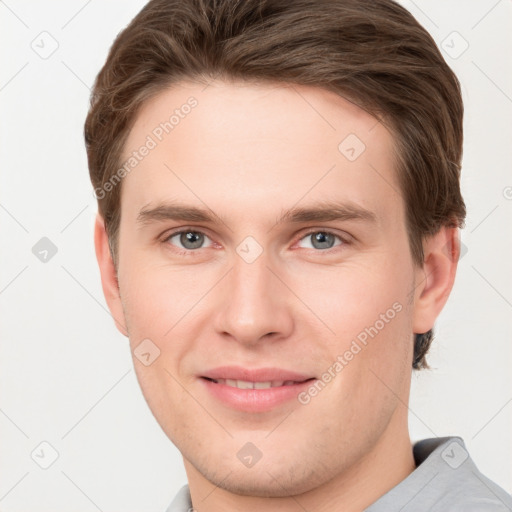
(178, 229)
(345, 238)
(185, 229)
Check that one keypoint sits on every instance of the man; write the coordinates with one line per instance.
(279, 205)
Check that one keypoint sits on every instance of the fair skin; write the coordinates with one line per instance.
(248, 153)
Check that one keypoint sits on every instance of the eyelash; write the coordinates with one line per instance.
(186, 252)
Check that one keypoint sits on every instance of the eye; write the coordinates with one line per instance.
(187, 239)
(322, 240)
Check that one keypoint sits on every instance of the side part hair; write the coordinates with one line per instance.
(373, 53)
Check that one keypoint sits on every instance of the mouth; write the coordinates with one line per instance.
(246, 384)
(254, 390)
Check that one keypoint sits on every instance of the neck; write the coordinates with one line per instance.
(380, 469)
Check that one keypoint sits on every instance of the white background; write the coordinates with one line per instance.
(66, 375)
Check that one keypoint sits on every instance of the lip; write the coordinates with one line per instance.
(255, 400)
(254, 375)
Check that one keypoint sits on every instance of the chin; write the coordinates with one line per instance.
(264, 485)
(265, 480)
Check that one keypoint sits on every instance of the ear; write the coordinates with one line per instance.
(434, 280)
(108, 273)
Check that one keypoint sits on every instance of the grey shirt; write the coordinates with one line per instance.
(445, 479)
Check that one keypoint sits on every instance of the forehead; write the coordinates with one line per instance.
(258, 145)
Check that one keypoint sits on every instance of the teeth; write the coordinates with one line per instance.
(262, 385)
(244, 384)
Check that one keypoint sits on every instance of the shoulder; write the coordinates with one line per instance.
(445, 479)
(457, 483)
(472, 491)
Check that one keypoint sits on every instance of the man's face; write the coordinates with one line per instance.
(319, 296)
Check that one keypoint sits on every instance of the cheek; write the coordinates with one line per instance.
(353, 298)
(164, 395)
(156, 298)
(164, 306)
(368, 313)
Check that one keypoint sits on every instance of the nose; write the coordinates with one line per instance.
(254, 304)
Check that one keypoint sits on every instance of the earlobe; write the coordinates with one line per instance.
(109, 281)
(434, 281)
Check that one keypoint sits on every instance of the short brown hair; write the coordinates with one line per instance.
(373, 53)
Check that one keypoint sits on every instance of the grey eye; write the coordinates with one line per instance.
(321, 240)
(188, 239)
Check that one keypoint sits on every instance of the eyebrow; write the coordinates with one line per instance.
(323, 212)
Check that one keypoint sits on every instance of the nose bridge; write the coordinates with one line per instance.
(251, 281)
(255, 302)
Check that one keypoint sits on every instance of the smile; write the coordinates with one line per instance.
(245, 384)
